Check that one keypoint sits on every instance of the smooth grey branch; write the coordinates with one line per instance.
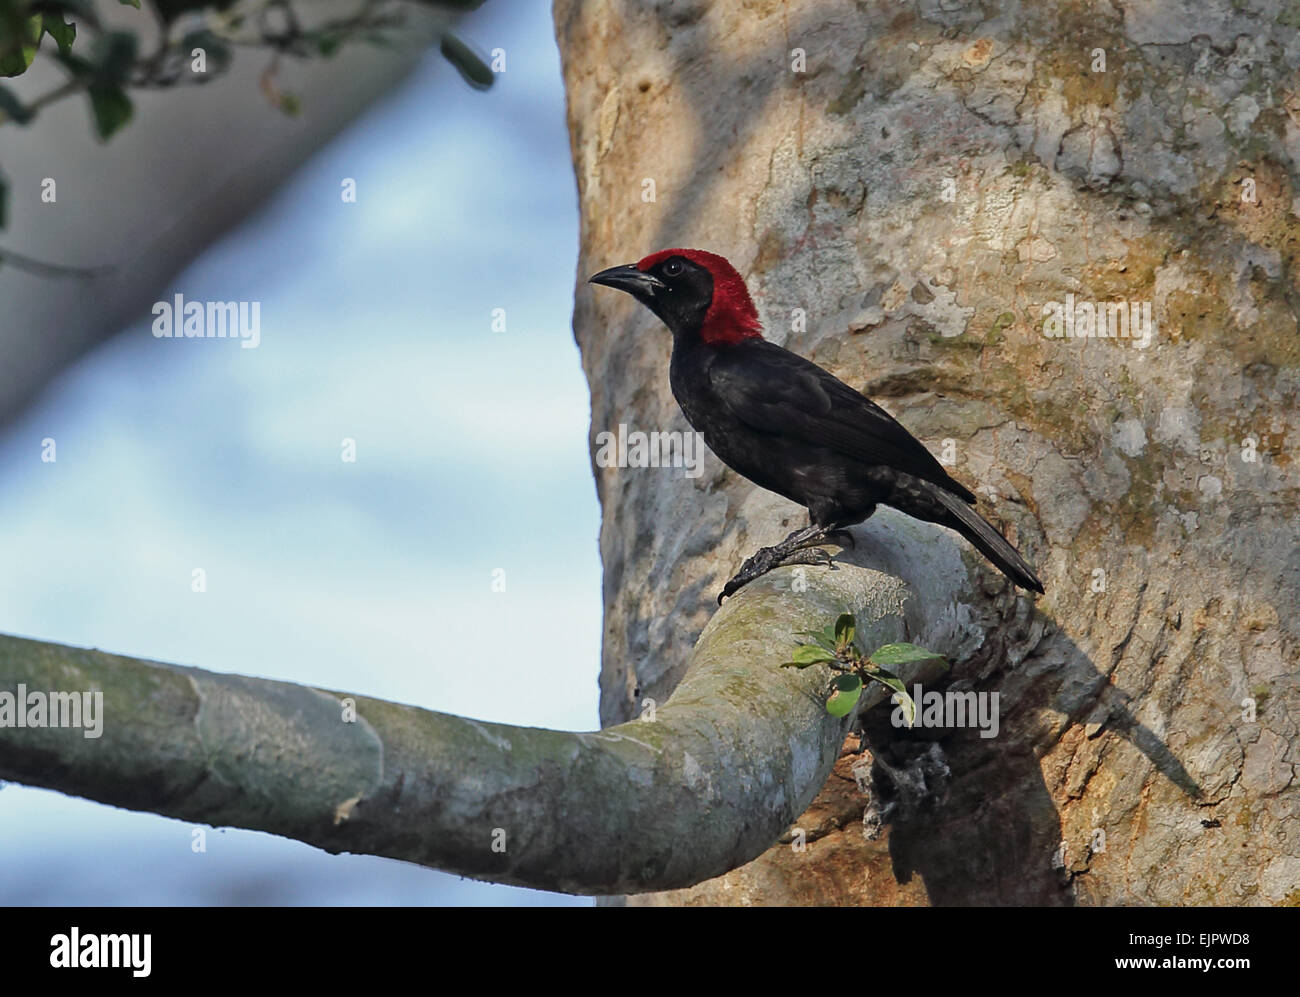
(720, 773)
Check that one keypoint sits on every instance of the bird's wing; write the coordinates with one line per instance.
(775, 391)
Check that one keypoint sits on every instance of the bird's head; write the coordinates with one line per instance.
(695, 294)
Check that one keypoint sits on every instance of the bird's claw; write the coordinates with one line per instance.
(808, 555)
(762, 561)
(767, 558)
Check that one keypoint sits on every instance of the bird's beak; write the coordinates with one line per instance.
(637, 283)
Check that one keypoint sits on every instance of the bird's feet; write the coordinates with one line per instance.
(797, 548)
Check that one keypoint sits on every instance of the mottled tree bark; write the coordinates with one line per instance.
(905, 188)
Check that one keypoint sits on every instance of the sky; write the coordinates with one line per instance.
(374, 576)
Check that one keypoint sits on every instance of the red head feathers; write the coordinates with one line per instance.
(731, 316)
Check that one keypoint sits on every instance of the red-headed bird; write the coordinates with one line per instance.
(789, 426)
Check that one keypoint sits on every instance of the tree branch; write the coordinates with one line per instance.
(728, 763)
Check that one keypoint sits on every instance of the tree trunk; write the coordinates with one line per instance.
(908, 190)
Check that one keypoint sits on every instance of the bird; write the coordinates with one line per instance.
(790, 426)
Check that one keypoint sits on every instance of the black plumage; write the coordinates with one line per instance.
(788, 425)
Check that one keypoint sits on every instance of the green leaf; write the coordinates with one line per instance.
(62, 31)
(472, 68)
(825, 636)
(818, 637)
(891, 681)
(848, 689)
(130, 3)
(893, 655)
(84, 9)
(15, 109)
(115, 55)
(77, 67)
(19, 52)
(111, 108)
(809, 654)
(844, 630)
(290, 104)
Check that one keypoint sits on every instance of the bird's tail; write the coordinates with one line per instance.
(992, 544)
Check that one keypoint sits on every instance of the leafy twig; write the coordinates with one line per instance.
(839, 648)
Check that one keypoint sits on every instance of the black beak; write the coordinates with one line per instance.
(637, 283)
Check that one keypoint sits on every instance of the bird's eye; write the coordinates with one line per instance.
(672, 268)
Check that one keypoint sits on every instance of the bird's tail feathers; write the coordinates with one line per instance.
(991, 543)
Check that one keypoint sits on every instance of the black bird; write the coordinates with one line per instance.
(789, 426)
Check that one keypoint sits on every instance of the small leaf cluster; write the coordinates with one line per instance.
(838, 647)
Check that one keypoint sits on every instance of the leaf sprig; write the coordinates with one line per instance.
(838, 647)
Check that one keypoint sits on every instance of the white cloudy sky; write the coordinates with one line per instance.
(373, 576)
